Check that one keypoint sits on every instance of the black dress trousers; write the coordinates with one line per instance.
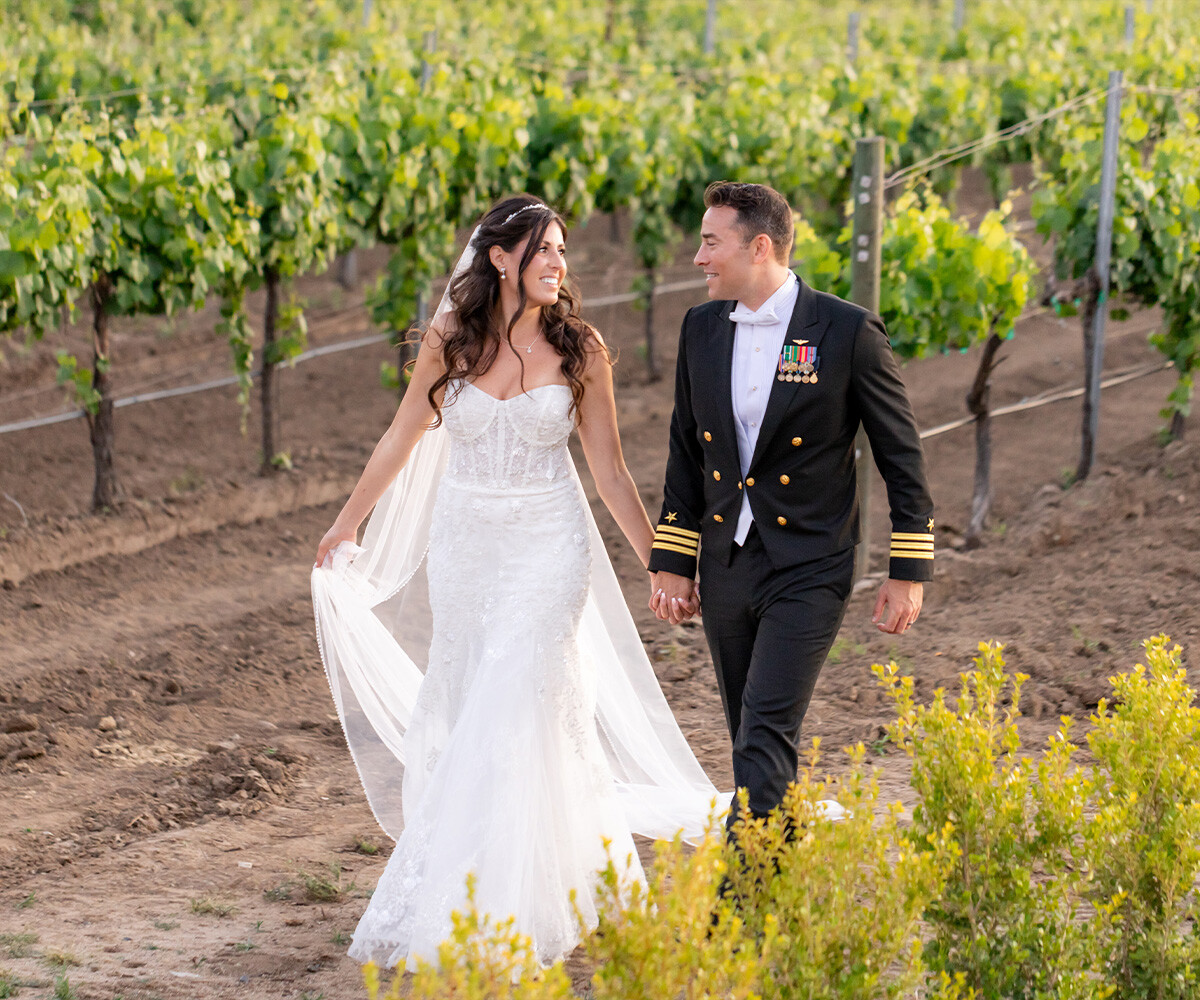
(769, 631)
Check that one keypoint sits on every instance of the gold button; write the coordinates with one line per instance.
(782, 521)
(707, 436)
(797, 442)
(739, 486)
(716, 475)
(718, 518)
(785, 480)
(750, 481)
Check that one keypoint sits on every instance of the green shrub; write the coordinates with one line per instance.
(481, 960)
(1144, 843)
(844, 897)
(672, 937)
(1014, 880)
(1009, 920)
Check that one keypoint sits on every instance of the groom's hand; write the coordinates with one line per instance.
(898, 605)
(673, 598)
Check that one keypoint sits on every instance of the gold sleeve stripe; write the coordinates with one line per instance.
(906, 554)
(680, 542)
(683, 543)
(670, 529)
(667, 544)
(916, 546)
(908, 536)
(678, 548)
(687, 543)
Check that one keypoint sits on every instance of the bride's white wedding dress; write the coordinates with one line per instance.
(537, 731)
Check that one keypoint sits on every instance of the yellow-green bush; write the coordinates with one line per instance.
(1009, 917)
(672, 937)
(1144, 842)
(1016, 879)
(842, 901)
(481, 960)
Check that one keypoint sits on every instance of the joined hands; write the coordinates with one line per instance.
(674, 598)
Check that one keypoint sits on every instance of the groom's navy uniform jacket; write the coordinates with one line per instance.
(801, 480)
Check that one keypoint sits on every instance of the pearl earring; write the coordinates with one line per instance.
(503, 272)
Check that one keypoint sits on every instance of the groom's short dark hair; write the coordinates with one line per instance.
(760, 209)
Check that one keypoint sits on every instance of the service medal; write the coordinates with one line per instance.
(788, 364)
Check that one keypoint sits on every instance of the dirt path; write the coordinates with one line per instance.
(178, 815)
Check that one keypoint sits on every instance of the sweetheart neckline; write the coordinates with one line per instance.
(509, 399)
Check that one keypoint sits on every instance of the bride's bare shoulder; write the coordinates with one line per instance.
(594, 348)
(439, 331)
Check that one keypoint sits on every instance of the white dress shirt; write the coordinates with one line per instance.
(757, 343)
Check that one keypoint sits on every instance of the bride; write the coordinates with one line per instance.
(493, 689)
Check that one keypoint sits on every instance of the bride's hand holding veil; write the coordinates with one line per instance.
(413, 417)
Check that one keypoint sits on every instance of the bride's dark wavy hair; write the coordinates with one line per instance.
(473, 340)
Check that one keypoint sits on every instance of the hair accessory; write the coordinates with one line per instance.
(525, 209)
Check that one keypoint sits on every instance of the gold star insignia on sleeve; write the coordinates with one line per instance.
(671, 517)
(931, 524)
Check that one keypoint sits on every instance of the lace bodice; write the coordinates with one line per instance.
(505, 444)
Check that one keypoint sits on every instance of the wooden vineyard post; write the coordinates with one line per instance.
(1097, 295)
(864, 291)
(652, 372)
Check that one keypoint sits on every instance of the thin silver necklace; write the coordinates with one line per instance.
(529, 349)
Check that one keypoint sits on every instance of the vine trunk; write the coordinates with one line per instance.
(270, 387)
(978, 403)
(100, 423)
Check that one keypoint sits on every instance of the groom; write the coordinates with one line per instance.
(772, 382)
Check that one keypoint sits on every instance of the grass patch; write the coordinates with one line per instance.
(8, 985)
(881, 745)
(18, 945)
(841, 646)
(280, 893)
(63, 990)
(59, 959)
(27, 902)
(166, 925)
(245, 946)
(207, 906)
(340, 938)
(191, 480)
(364, 846)
(325, 888)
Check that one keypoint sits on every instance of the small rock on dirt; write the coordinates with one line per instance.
(221, 784)
(21, 723)
(107, 724)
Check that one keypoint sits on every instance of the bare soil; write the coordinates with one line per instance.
(179, 817)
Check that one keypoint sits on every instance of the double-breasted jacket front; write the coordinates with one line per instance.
(801, 480)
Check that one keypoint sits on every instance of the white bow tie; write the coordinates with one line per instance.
(743, 315)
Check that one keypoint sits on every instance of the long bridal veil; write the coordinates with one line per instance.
(374, 627)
